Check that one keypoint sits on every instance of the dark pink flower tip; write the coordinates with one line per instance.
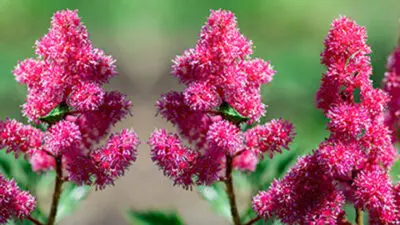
(115, 157)
(345, 39)
(270, 137)
(62, 136)
(201, 96)
(19, 138)
(374, 191)
(172, 157)
(246, 161)
(219, 68)
(67, 69)
(225, 136)
(86, 97)
(13, 201)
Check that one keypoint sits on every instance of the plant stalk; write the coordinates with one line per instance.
(33, 220)
(230, 191)
(252, 221)
(57, 191)
(359, 216)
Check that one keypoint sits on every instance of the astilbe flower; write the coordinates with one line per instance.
(222, 90)
(352, 163)
(391, 85)
(13, 201)
(66, 99)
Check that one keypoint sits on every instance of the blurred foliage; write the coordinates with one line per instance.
(290, 33)
(153, 218)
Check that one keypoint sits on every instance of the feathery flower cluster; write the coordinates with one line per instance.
(13, 201)
(352, 163)
(65, 96)
(222, 91)
(391, 84)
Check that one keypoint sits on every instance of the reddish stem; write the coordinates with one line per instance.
(57, 191)
(252, 221)
(230, 191)
(33, 220)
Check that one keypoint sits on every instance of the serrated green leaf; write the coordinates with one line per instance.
(153, 218)
(56, 114)
(229, 113)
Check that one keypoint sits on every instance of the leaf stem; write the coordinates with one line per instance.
(230, 191)
(57, 191)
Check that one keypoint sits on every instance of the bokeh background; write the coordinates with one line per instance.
(144, 36)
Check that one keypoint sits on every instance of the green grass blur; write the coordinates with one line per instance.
(287, 32)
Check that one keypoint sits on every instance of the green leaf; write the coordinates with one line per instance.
(71, 196)
(5, 166)
(229, 113)
(56, 114)
(217, 198)
(153, 218)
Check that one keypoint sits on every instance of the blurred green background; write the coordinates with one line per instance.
(144, 36)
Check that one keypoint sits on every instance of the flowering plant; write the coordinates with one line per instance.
(68, 113)
(218, 111)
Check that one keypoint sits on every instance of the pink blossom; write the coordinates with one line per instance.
(391, 84)
(13, 201)
(41, 161)
(201, 96)
(303, 196)
(67, 69)
(115, 157)
(95, 125)
(222, 91)
(225, 136)
(19, 138)
(352, 163)
(246, 161)
(270, 137)
(374, 191)
(349, 119)
(66, 79)
(61, 137)
(220, 63)
(192, 125)
(172, 157)
(87, 96)
(339, 159)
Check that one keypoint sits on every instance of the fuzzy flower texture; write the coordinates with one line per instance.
(65, 98)
(217, 72)
(352, 164)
